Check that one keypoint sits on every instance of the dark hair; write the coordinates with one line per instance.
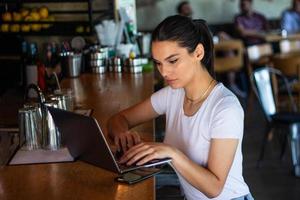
(246, 0)
(294, 3)
(180, 5)
(188, 33)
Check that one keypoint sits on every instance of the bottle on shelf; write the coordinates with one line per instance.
(35, 70)
(31, 68)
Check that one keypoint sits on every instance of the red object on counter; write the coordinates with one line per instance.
(41, 76)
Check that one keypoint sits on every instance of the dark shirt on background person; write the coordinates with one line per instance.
(250, 24)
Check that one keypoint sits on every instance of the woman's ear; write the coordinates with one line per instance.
(199, 52)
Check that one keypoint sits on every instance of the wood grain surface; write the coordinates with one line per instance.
(106, 95)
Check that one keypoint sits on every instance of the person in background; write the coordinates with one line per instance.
(290, 20)
(184, 9)
(250, 25)
(204, 120)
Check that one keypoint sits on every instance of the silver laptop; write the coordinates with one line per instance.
(84, 138)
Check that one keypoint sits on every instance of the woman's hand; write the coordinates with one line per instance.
(119, 124)
(126, 140)
(144, 152)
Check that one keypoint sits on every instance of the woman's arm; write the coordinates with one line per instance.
(120, 124)
(209, 180)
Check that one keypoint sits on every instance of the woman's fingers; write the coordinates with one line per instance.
(126, 140)
(132, 152)
(130, 141)
(117, 144)
(134, 148)
(146, 159)
(136, 137)
(140, 155)
(144, 152)
(123, 142)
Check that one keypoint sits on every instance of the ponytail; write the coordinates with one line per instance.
(205, 39)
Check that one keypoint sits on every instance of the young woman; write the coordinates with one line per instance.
(204, 120)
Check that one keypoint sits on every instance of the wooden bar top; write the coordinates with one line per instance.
(106, 95)
(278, 38)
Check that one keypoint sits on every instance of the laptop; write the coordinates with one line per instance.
(85, 140)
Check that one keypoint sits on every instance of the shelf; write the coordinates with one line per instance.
(43, 1)
(44, 22)
(46, 34)
(58, 28)
(78, 12)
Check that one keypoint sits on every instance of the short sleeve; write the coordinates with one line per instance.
(227, 119)
(286, 22)
(237, 21)
(159, 100)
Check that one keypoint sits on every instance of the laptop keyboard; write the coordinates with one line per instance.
(125, 167)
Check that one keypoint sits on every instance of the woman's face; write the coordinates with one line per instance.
(177, 66)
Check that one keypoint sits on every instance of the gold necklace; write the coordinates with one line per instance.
(196, 101)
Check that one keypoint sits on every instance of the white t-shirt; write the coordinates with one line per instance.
(220, 116)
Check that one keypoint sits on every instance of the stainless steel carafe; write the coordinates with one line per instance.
(51, 138)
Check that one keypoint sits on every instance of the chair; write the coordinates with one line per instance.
(263, 86)
(288, 60)
(229, 59)
(228, 56)
(258, 52)
(257, 56)
(289, 65)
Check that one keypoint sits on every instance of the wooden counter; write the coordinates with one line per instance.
(287, 63)
(278, 38)
(105, 94)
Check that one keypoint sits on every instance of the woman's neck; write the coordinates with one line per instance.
(198, 85)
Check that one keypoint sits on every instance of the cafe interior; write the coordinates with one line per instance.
(68, 66)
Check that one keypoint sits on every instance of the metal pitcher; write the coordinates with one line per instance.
(50, 135)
